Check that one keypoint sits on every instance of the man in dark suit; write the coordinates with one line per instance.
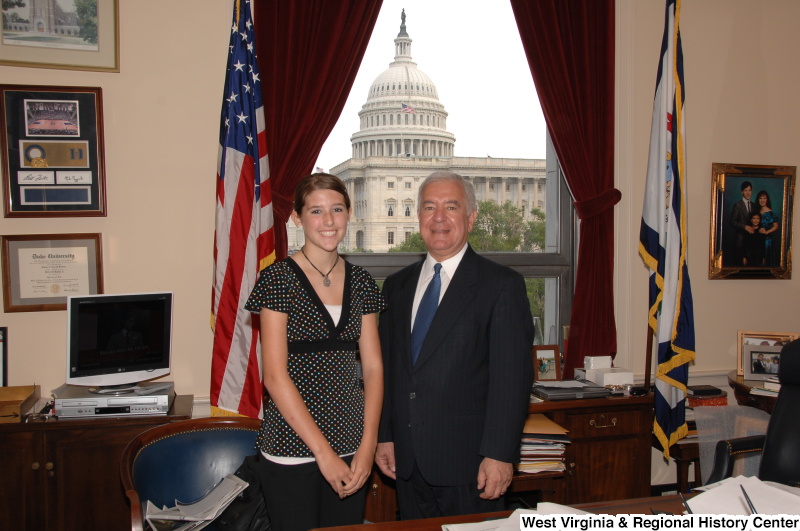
(452, 418)
(740, 223)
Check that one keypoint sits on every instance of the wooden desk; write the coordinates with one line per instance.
(670, 504)
(609, 440)
(63, 474)
(741, 390)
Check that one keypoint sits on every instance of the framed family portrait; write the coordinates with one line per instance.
(751, 221)
(52, 151)
(40, 271)
(546, 363)
(63, 34)
(749, 341)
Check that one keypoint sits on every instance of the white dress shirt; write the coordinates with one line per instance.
(449, 267)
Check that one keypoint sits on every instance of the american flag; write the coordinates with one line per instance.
(244, 240)
(408, 109)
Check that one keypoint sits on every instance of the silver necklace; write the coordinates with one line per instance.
(325, 280)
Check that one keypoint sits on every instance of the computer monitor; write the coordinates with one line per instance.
(118, 340)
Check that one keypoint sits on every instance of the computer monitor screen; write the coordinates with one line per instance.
(118, 340)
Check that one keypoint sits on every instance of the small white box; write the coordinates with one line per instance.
(610, 376)
(597, 362)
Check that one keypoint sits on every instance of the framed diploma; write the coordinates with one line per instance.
(52, 151)
(40, 271)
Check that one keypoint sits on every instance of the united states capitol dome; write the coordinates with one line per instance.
(403, 115)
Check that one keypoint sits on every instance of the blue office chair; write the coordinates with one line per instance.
(781, 445)
(183, 460)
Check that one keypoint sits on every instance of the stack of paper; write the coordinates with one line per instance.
(197, 515)
(727, 497)
(542, 447)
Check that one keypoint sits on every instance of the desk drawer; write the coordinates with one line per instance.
(601, 423)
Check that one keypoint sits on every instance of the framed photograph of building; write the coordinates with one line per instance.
(41, 270)
(63, 34)
(546, 363)
(751, 221)
(52, 151)
(750, 338)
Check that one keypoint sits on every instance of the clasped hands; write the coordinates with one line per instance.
(494, 476)
(345, 480)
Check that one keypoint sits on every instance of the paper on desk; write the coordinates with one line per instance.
(568, 384)
(725, 497)
(512, 522)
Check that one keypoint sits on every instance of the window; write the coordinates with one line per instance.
(544, 250)
(390, 185)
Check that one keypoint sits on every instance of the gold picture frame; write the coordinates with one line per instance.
(79, 41)
(751, 240)
(41, 270)
(747, 338)
(546, 363)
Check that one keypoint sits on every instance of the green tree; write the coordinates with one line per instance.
(413, 244)
(534, 237)
(13, 17)
(497, 227)
(9, 4)
(87, 19)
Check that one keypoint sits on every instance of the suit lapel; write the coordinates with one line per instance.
(405, 303)
(455, 301)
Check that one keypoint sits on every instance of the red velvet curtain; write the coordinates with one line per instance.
(570, 50)
(308, 56)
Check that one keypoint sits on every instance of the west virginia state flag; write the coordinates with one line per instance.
(663, 239)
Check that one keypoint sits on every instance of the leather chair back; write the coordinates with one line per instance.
(184, 460)
(779, 461)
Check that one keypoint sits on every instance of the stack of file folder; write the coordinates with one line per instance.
(542, 447)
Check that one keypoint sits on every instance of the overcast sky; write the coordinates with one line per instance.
(472, 52)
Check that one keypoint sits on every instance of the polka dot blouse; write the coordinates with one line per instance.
(322, 356)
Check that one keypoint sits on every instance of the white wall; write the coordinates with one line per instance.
(161, 128)
(741, 107)
(161, 116)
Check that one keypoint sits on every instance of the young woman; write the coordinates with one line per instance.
(318, 314)
(769, 225)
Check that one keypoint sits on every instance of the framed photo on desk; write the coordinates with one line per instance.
(546, 363)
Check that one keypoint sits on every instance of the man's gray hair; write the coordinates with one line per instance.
(439, 176)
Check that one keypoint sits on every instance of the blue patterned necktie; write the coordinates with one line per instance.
(427, 309)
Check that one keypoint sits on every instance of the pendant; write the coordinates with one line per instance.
(326, 281)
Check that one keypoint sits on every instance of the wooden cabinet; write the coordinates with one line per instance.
(608, 457)
(609, 454)
(64, 475)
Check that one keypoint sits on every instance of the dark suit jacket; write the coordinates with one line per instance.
(467, 396)
(741, 219)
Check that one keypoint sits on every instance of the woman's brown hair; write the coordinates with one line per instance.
(318, 181)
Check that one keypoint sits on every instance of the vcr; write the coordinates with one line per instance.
(79, 401)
